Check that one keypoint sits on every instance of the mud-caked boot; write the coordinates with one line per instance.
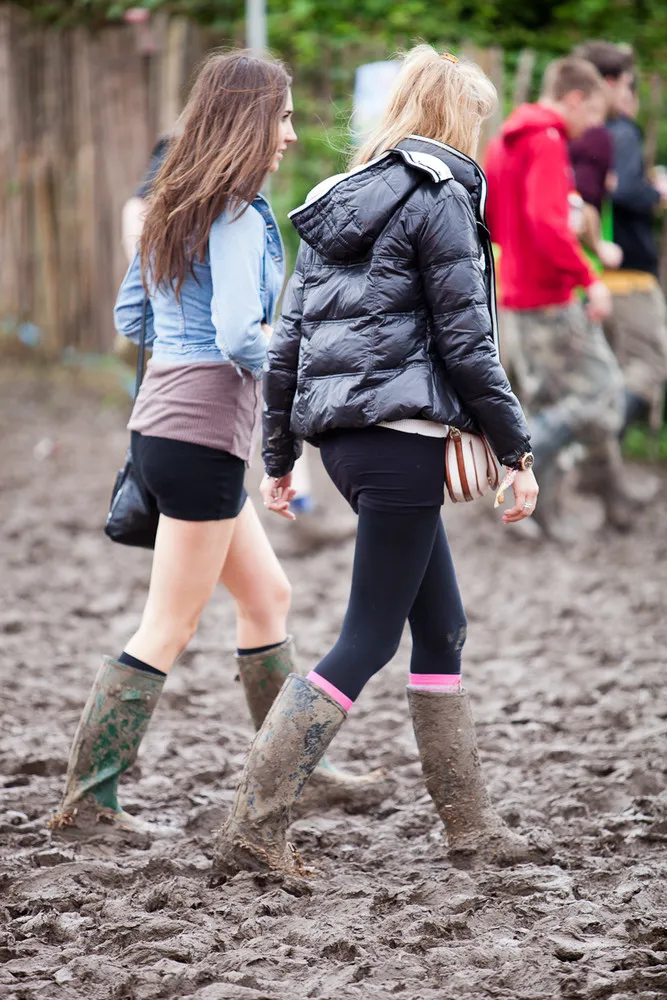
(299, 727)
(476, 834)
(112, 725)
(262, 676)
(603, 473)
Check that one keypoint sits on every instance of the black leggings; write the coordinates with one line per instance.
(402, 571)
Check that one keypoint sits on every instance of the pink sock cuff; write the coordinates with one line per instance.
(435, 680)
(330, 689)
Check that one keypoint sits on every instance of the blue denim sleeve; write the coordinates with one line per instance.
(129, 306)
(236, 255)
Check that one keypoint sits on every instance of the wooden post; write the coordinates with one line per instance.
(491, 61)
(75, 132)
(523, 78)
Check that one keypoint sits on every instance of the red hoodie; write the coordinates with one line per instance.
(530, 184)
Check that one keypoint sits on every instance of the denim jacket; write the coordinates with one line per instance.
(220, 314)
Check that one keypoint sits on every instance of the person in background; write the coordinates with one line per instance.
(637, 327)
(572, 384)
(134, 209)
(592, 158)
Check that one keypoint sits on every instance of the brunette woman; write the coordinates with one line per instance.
(211, 258)
(388, 339)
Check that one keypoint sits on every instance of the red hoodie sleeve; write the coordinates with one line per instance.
(548, 186)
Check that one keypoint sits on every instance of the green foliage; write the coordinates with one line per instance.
(298, 27)
(645, 445)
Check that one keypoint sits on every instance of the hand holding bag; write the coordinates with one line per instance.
(133, 515)
(471, 467)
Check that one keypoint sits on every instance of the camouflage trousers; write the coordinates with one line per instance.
(565, 371)
(637, 332)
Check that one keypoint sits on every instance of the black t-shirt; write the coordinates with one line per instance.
(158, 156)
(634, 200)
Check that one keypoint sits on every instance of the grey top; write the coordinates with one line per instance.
(207, 403)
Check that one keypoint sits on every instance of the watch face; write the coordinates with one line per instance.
(528, 461)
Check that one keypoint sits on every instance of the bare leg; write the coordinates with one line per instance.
(189, 556)
(257, 582)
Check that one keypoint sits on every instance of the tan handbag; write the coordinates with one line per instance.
(471, 468)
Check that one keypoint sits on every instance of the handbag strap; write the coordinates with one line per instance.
(141, 356)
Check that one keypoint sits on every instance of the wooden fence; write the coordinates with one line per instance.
(78, 116)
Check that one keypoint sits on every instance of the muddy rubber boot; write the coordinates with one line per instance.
(299, 727)
(603, 474)
(548, 513)
(262, 676)
(112, 725)
(476, 834)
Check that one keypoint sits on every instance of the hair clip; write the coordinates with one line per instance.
(449, 57)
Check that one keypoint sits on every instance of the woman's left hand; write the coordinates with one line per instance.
(525, 490)
(277, 495)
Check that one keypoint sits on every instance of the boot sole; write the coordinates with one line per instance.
(501, 853)
(242, 856)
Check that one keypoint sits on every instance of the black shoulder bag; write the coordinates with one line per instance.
(133, 515)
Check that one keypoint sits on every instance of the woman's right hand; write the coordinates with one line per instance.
(525, 491)
(277, 495)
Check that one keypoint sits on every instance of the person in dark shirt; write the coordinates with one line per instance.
(635, 198)
(134, 208)
(637, 328)
(592, 156)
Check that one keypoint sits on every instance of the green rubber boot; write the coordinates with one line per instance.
(262, 676)
(112, 726)
(299, 727)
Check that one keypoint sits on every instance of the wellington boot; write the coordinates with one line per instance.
(112, 725)
(549, 513)
(604, 474)
(549, 438)
(262, 676)
(299, 727)
(476, 834)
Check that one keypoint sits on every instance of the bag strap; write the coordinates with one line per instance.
(141, 357)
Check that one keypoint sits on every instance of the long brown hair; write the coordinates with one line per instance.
(222, 151)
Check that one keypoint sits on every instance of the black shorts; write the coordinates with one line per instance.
(190, 482)
(385, 469)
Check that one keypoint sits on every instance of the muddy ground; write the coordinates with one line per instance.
(566, 663)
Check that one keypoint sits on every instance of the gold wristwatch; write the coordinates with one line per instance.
(527, 461)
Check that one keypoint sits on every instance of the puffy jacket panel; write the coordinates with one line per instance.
(390, 312)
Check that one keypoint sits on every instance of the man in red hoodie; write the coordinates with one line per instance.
(571, 382)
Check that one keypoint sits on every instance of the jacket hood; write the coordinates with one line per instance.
(531, 118)
(344, 215)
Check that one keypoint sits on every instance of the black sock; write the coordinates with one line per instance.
(132, 661)
(259, 649)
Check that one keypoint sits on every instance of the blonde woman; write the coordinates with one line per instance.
(387, 339)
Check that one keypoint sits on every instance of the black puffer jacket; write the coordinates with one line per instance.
(390, 312)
